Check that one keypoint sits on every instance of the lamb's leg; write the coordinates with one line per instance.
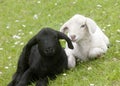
(17, 76)
(26, 78)
(71, 61)
(14, 80)
(95, 53)
(52, 76)
(71, 58)
(21, 68)
(42, 82)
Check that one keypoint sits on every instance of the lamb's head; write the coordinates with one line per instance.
(79, 27)
(48, 41)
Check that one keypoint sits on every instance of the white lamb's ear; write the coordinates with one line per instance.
(91, 25)
(64, 29)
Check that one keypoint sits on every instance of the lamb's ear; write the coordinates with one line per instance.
(31, 42)
(91, 25)
(64, 28)
(63, 36)
(27, 48)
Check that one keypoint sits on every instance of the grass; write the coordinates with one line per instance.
(21, 19)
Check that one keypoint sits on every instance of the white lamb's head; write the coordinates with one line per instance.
(78, 27)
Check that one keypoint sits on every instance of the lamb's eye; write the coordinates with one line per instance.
(83, 25)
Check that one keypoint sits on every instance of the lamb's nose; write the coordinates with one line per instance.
(49, 50)
(73, 37)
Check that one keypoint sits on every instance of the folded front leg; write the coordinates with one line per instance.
(26, 78)
(71, 61)
(71, 58)
(96, 53)
(42, 82)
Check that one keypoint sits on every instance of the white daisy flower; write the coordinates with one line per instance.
(1, 48)
(99, 5)
(16, 37)
(118, 41)
(20, 30)
(16, 20)
(118, 30)
(9, 57)
(49, 15)
(21, 43)
(92, 84)
(108, 25)
(30, 32)
(55, 4)
(89, 68)
(17, 42)
(1, 73)
(114, 59)
(24, 25)
(10, 64)
(8, 26)
(74, 2)
(35, 16)
(64, 74)
(38, 2)
(6, 67)
(103, 30)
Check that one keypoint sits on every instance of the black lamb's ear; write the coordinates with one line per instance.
(31, 42)
(24, 57)
(63, 36)
(28, 46)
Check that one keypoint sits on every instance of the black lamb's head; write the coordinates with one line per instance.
(48, 41)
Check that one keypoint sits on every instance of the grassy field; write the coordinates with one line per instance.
(21, 19)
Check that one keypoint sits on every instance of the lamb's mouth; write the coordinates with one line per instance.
(73, 40)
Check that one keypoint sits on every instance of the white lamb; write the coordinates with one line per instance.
(88, 39)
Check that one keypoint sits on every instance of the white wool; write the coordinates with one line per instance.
(88, 39)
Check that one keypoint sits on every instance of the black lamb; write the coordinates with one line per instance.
(42, 58)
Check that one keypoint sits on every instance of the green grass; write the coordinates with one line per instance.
(16, 18)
